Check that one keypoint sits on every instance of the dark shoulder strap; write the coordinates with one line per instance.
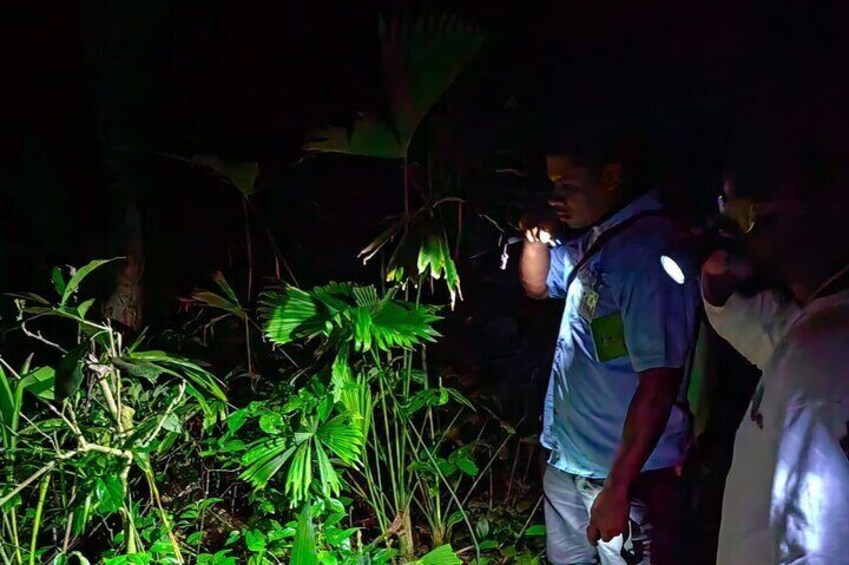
(604, 238)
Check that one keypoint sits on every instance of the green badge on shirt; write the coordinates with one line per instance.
(609, 337)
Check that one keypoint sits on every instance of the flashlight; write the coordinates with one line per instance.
(545, 237)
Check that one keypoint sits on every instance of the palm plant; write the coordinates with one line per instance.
(365, 345)
(420, 60)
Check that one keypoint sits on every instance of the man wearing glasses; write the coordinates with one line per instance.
(787, 493)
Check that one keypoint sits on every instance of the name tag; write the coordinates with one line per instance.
(609, 337)
(588, 304)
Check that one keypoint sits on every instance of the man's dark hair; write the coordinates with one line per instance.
(803, 148)
(596, 140)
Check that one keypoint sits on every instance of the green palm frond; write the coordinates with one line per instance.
(344, 313)
(354, 394)
(240, 175)
(423, 250)
(299, 478)
(180, 367)
(303, 549)
(342, 439)
(420, 59)
(264, 461)
(330, 483)
(398, 324)
(291, 313)
(442, 555)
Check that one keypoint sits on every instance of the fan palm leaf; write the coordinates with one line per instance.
(420, 59)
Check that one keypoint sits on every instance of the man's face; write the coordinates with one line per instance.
(581, 198)
(778, 235)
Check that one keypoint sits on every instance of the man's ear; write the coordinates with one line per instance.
(611, 177)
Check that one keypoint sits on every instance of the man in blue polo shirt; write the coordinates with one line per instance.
(612, 422)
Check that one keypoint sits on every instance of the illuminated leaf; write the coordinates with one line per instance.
(80, 275)
(442, 555)
(303, 549)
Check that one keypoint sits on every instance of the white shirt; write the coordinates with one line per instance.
(787, 494)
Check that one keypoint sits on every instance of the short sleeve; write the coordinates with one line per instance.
(558, 271)
(659, 315)
(753, 325)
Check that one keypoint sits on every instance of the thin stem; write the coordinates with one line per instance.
(451, 493)
(163, 516)
(15, 535)
(39, 337)
(39, 510)
(530, 516)
(485, 470)
(171, 407)
(6, 560)
(391, 464)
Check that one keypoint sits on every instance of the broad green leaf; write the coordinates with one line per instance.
(271, 422)
(58, 279)
(537, 530)
(236, 420)
(304, 549)
(80, 275)
(482, 528)
(463, 460)
(427, 397)
(341, 377)
(457, 397)
(138, 368)
(172, 423)
(84, 307)
(8, 409)
(255, 541)
(109, 493)
(66, 559)
(336, 537)
(69, 372)
(240, 175)
(39, 382)
(327, 558)
(455, 518)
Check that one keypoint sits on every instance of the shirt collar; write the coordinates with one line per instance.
(650, 201)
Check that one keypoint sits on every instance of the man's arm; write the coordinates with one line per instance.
(647, 417)
(753, 325)
(533, 268)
